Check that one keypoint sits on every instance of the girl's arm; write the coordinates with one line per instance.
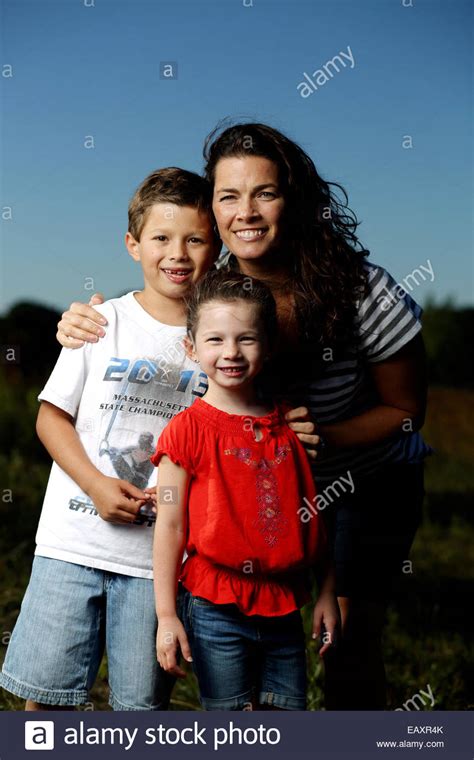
(168, 548)
(81, 323)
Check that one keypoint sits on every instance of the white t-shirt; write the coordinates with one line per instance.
(121, 392)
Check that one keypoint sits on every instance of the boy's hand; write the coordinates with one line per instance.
(117, 501)
(81, 323)
(170, 636)
(151, 501)
(151, 493)
(326, 620)
(300, 422)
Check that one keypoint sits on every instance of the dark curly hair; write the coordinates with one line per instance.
(324, 252)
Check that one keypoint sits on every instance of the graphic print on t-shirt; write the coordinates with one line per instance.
(132, 463)
(144, 384)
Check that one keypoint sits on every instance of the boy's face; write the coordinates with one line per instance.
(176, 248)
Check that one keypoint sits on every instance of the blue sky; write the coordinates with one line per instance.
(92, 68)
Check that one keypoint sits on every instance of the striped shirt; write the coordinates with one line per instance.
(336, 389)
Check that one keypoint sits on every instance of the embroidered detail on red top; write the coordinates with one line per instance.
(227, 464)
(270, 521)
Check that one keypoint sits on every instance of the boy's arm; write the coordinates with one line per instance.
(114, 499)
(168, 548)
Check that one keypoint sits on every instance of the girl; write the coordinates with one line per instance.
(233, 481)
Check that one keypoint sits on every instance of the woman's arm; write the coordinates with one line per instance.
(326, 616)
(168, 548)
(81, 323)
(400, 382)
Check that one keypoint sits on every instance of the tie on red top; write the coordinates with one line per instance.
(246, 542)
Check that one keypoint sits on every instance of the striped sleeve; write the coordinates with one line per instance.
(388, 317)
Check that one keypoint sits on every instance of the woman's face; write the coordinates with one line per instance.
(248, 205)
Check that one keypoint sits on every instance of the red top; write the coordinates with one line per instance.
(247, 543)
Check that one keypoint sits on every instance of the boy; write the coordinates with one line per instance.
(102, 410)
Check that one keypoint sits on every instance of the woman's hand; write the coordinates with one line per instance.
(326, 620)
(171, 636)
(81, 323)
(300, 422)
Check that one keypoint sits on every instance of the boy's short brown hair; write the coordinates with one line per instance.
(170, 185)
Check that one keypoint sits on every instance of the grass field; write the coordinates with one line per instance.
(426, 640)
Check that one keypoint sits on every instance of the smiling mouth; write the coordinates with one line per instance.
(251, 234)
(177, 275)
(232, 371)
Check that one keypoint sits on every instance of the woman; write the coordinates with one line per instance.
(350, 350)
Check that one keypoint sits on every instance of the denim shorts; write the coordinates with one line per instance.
(238, 658)
(69, 614)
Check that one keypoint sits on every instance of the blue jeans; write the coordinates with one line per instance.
(69, 614)
(237, 657)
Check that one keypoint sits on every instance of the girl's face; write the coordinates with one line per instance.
(230, 343)
(248, 205)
